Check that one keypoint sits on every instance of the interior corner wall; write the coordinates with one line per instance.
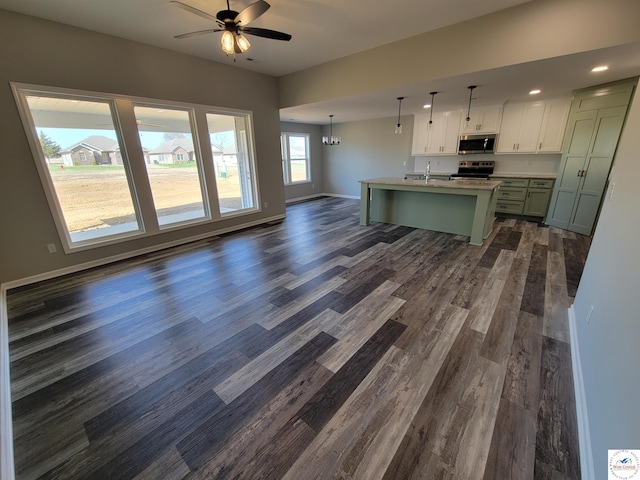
(607, 312)
(369, 149)
(46, 53)
(316, 185)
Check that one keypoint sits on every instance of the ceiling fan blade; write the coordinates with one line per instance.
(252, 12)
(199, 32)
(266, 33)
(194, 10)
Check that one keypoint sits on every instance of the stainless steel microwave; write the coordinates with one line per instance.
(468, 144)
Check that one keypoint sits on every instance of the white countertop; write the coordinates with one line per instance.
(550, 176)
(462, 183)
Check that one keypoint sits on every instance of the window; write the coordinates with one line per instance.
(231, 151)
(115, 168)
(295, 157)
(176, 185)
(93, 199)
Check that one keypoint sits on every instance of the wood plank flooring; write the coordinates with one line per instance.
(313, 348)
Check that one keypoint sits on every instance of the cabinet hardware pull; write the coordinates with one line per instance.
(514, 146)
(540, 147)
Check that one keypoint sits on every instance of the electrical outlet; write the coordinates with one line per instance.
(404, 163)
(612, 187)
(52, 248)
(266, 204)
(590, 313)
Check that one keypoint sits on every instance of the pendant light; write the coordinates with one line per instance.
(470, 87)
(331, 140)
(433, 95)
(399, 125)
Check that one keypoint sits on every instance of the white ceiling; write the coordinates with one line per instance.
(324, 30)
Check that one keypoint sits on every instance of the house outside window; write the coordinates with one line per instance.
(296, 165)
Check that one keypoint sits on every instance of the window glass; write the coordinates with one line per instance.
(113, 167)
(83, 164)
(233, 161)
(295, 157)
(172, 164)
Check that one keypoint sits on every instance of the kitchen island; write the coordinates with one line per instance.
(462, 207)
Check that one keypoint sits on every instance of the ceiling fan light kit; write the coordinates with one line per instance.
(233, 25)
(331, 140)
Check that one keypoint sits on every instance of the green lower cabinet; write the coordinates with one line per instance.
(524, 196)
(510, 207)
(537, 202)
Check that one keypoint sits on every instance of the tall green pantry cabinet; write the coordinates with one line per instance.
(594, 126)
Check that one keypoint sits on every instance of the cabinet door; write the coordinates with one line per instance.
(443, 134)
(530, 127)
(510, 128)
(596, 169)
(537, 202)
(481, 120)
(554, 124)
(579, 133)
(420, 137)
(520, 128)
(436, 133)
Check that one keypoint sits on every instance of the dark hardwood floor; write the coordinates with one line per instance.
(311, 348)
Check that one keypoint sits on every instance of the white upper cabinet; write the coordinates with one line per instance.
(520, 128)
(443, 134)
(535, 127)
(439, 138)
(554, 124)
(481, 120)
(420, 137)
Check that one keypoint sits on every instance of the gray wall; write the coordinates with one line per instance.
(369, 149)
(524, 33)
(51, 54)
(316, 186)
(610, 342)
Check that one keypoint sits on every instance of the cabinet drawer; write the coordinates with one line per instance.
(513, 182)
(511, 193)
(508, 206)
(534, 183)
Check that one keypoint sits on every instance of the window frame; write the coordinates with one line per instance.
(126, 129)
(286, 157)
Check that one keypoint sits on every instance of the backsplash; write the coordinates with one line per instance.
(504, 163)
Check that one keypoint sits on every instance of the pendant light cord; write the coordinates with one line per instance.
(399, 106)
(470, 87)
(433, 95)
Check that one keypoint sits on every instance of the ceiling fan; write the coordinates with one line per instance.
(233, 25)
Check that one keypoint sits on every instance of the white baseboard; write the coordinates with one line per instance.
(302, 199)
(318, 195)
(6, 425)
(134, 253)
(339, 195)
(584, 437)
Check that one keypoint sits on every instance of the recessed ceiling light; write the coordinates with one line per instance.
(600, 68)
(427, 105)
(534, 92)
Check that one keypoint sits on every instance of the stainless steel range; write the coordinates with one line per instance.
(474, 169)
